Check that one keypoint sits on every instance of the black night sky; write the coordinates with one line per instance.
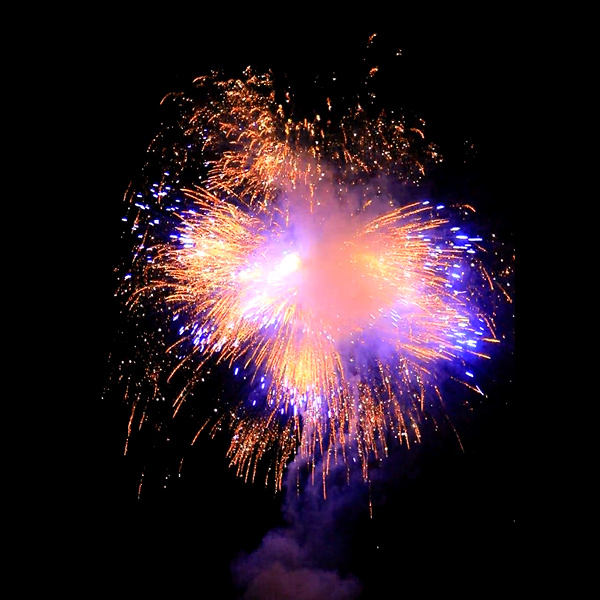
(443, 519)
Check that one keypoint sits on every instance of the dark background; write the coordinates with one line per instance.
(447, 520)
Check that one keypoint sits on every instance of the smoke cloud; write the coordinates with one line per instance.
(308, 558)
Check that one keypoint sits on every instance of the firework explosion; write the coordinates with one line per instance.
(279, 248)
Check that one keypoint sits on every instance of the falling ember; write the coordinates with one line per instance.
(279, 248)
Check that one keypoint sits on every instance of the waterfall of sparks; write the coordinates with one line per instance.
(276, 247)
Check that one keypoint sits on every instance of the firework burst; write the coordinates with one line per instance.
(277, 248)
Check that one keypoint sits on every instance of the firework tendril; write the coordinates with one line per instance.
(280, 249)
